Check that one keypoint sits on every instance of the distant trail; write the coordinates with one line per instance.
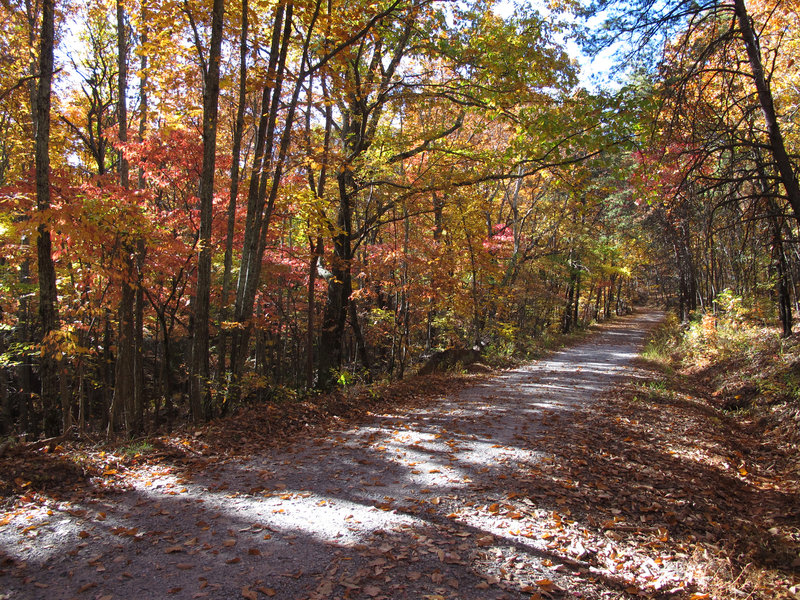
(423, 503)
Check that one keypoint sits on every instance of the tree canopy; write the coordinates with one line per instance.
(221, 202)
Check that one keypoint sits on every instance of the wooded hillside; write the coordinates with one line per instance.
(206, 204)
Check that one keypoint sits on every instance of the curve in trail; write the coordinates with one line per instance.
(427, 502)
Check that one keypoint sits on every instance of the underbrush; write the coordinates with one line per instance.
(663, 342)
(741, 366)
(726, 389)
(744, 364)
(747, 365)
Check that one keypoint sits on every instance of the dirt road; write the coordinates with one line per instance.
(433, 502)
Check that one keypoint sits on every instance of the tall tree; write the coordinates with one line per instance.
(238, 132)
(704, 29)
(199, 391)
(259, 210)
(48, 311)
(777, 146)
(124, 398)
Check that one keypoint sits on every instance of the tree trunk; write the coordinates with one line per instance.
(122, 87)
(48, 312)
(138, 341)
(361, 344)
(6, 423)
(609, 298)
(238, 128)
(270, 180)
(438, 228)
(199, 392)
(165, 371)
(316, 251)
(138, 387)
(339, 290)
(122, 404)
(776, 143)
(783, 282)
(403, 309)
(258, 214)
(125, 371)
(784, 296)
(566, 322)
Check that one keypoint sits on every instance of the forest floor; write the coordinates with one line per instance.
(578, 476)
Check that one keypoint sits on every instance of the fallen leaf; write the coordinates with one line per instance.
(249, 594)
(545, 584)
(633, 590)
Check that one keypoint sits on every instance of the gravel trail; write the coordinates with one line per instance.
(419, 503)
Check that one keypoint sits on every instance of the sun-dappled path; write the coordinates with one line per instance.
(429, 502)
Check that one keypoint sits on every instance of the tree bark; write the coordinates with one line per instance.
(255, 218)
(776, 143)
(339, 290)
(270, 179)
(138, 382)
(317, 249)
(199, 392)
(121, 411)
(124, 398)
(238, 128)
(24, 372)
(48, 312)
(567, 320)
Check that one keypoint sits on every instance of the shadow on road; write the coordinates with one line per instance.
(533, 482)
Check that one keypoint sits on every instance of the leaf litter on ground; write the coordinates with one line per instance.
(630, 495)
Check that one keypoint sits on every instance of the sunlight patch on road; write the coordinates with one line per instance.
(38, 535)
(322, 517)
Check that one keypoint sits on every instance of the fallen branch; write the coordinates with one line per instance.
(51, 443)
